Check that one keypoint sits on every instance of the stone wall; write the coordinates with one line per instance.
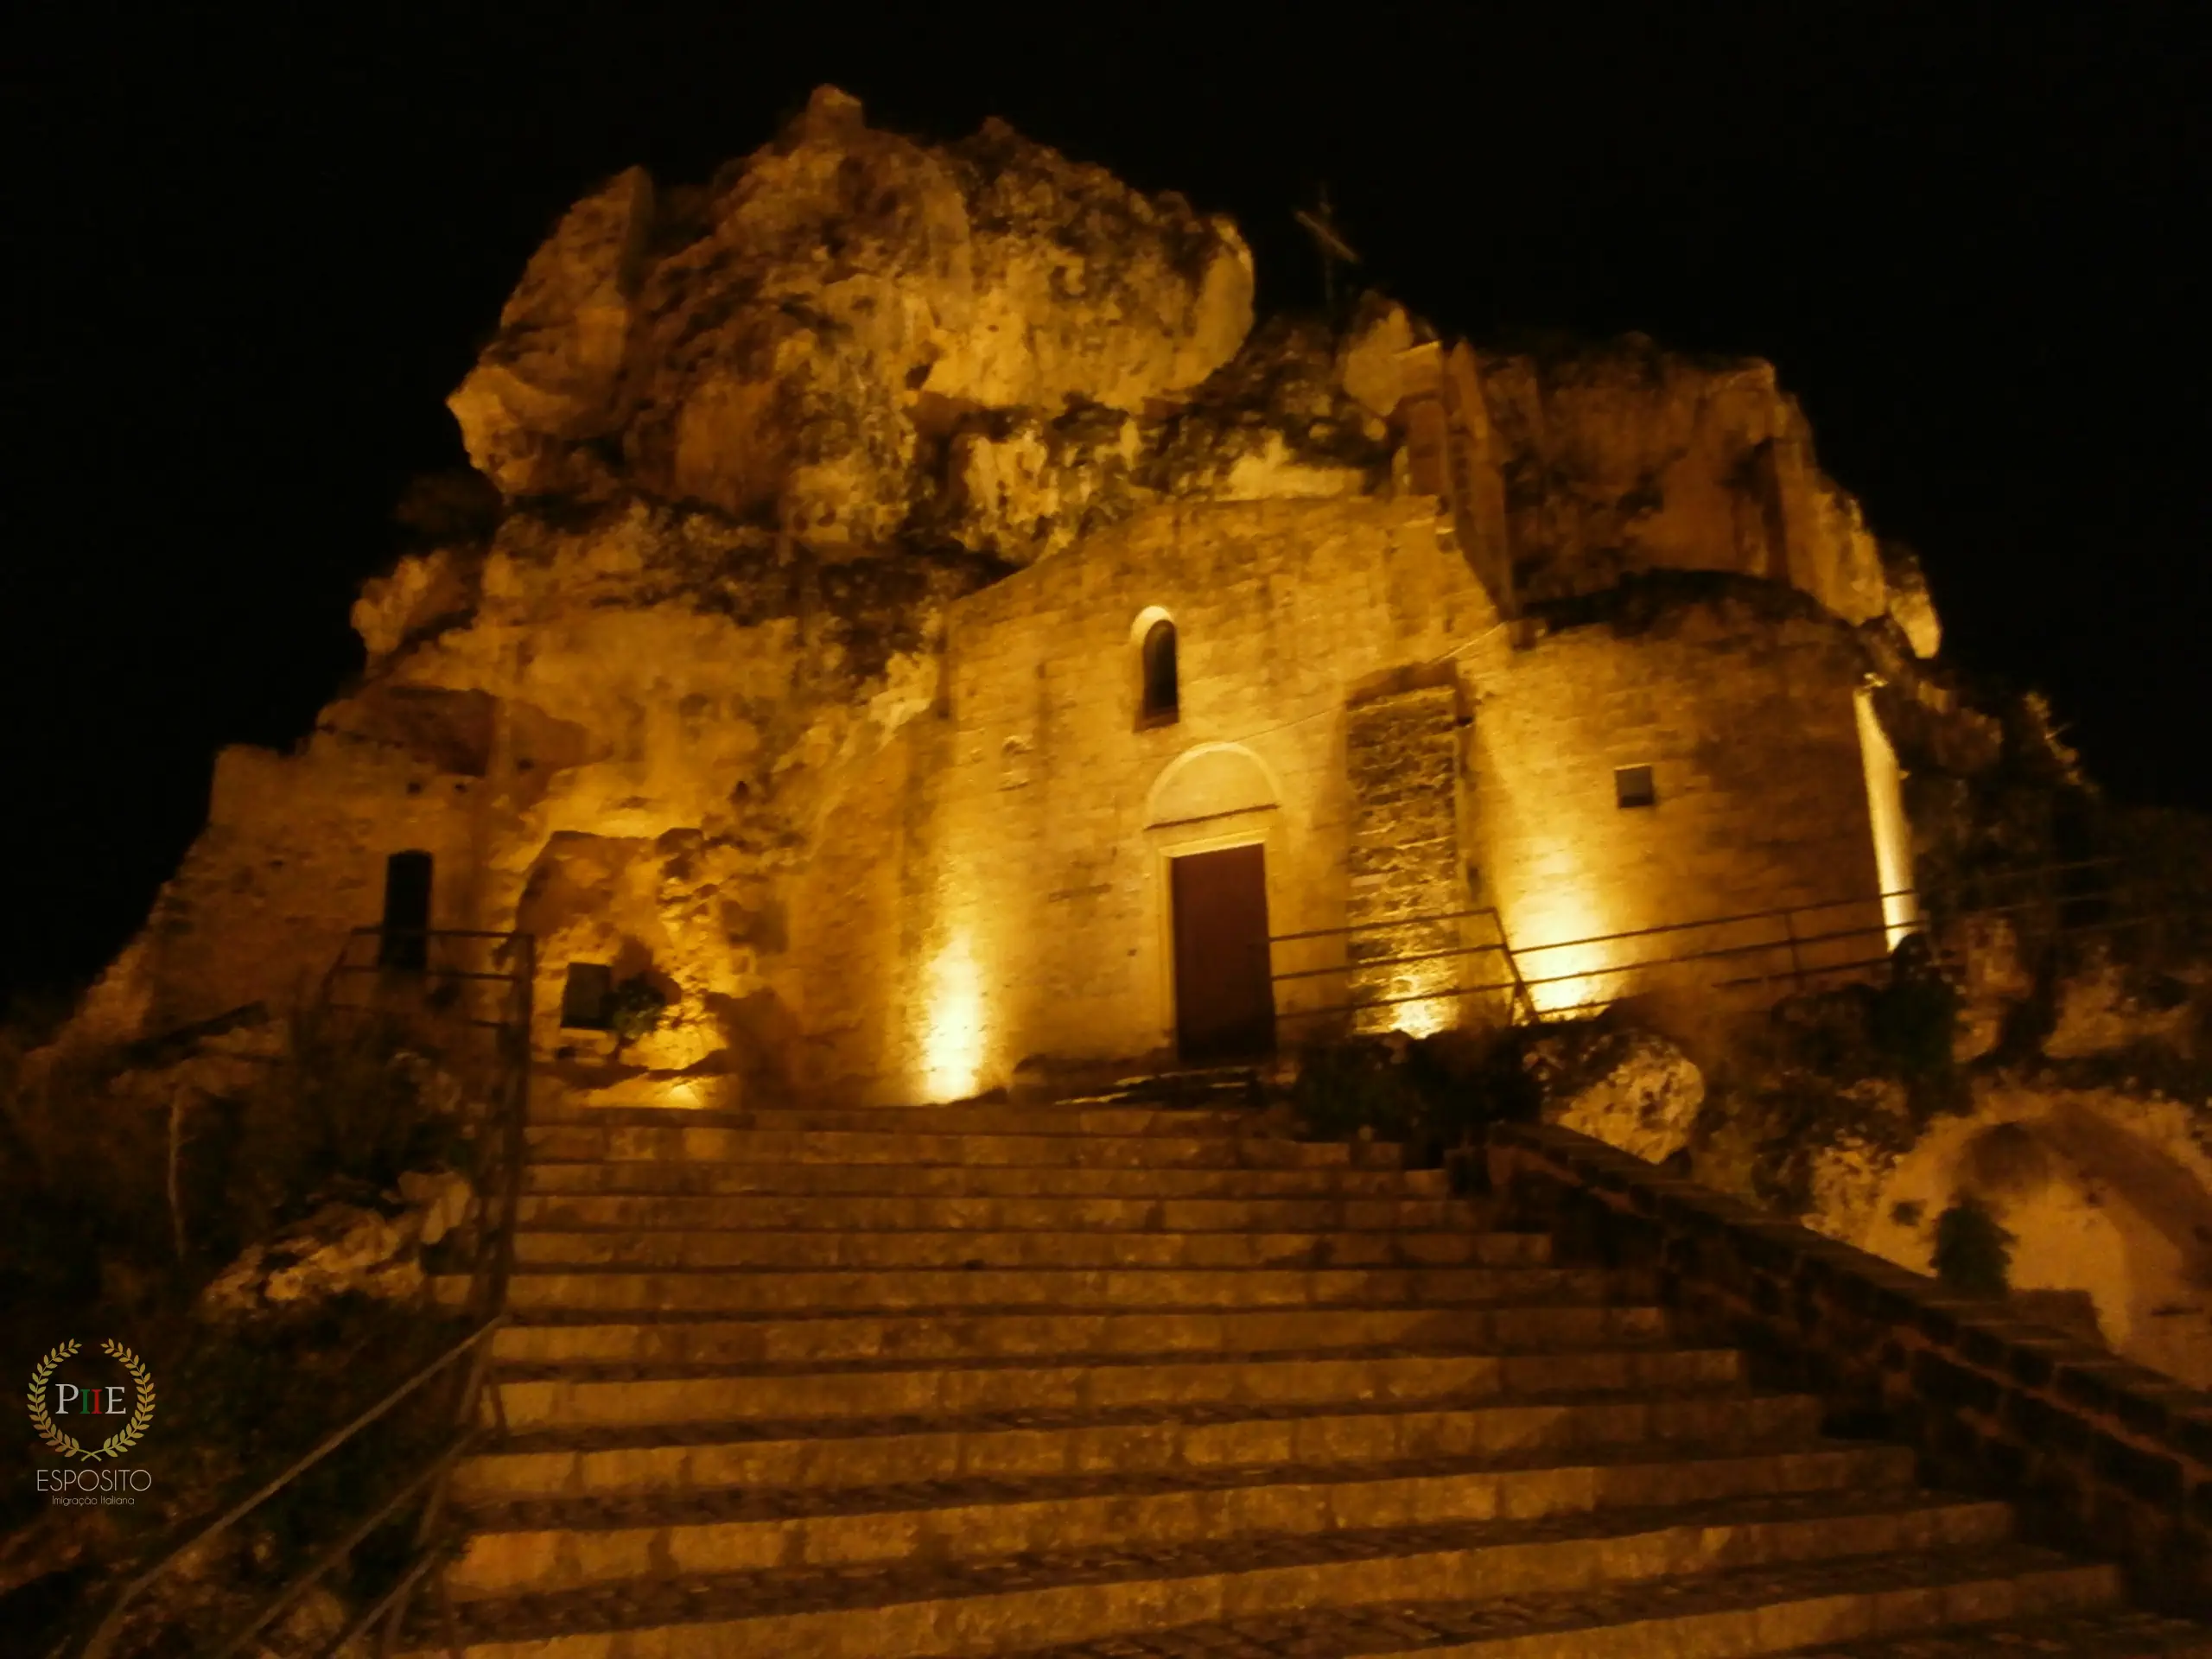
(1402, 756)
(2100, 1455)
(906, 860)
(292, 858)
(1748, 724)
(1326, 650)
(1038, 925)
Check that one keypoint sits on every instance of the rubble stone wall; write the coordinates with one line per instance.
(291, 861)
(1406, 862)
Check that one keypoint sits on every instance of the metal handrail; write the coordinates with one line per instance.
(101, 1643)
(1791, 938)
(501, 1143)
(1362, 964)
(1918, 891)
(1379, 926)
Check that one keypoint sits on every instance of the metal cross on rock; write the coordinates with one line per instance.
(1321, 224)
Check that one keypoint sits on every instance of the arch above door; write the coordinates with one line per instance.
(1210, 780)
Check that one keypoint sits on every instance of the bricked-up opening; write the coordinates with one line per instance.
(406, 939)
(587, 997)
(1162, 694)
(1632, 787)
(1225, 998)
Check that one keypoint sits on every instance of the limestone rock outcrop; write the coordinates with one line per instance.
(1631, 1088)
(2104, 1008)
(341, 1250)
(868, 343)
(784, 343)
(2081, 1134)
(2107, 1194)
(1628, 457)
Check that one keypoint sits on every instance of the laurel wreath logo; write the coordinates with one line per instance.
(115, 1444)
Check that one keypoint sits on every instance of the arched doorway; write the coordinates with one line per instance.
(1210, 815)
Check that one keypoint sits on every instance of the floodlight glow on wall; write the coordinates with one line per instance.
(953, 1035)
(1567, 974)
(1424, 1019)
(1885, 808)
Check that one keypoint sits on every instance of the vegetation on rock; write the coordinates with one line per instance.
(1432, 1096)
(124, 1189)
(634, 1009)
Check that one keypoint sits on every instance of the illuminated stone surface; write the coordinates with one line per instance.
(798, 673)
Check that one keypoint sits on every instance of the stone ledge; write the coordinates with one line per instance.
(2097, 1453)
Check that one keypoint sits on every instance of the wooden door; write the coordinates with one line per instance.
(1224, 1001)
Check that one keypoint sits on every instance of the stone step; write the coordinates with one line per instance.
(580, 1394)
(832, 1291)
(565, 1544)
(954, 1181)
(846, 1215)
(536, 1247)
(1923, 1606)
(2121, 1633)
(573, 1141)
(1068, 1120)
(905, 1611)
(947, 1335)
(1028, 1442)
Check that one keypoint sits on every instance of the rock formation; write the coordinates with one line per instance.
(1631, 1088)
(2088, 1145)
(806, 339)
(752, 443)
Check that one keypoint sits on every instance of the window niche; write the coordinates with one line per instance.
(588, 997)
(1160, 701)
(1632, 787)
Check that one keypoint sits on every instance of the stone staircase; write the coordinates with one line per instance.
(1113, 1378)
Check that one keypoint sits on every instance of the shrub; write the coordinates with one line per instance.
(344, 1114)
(1430, 1096)
(1349, 1087)
(1914, 1017)
(634, 1009)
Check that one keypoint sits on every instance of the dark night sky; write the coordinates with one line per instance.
(251, 254)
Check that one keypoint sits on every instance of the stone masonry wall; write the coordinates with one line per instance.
(1040, 925)
(1402, 764)
(1748, 725)
(291, 860)
(1325, 649)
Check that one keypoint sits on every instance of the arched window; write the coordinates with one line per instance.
(1161, 694)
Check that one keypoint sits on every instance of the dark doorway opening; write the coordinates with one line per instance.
(1224, 997)
(587, 997)
(405, 942)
